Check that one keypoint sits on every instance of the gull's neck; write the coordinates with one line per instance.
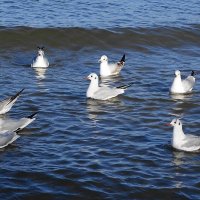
(104, 69)
(178, 136)
(93, 87)
(41, 57)
(177, 86)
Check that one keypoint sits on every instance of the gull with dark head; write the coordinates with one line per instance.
(181, 141)
(180, 86)
(7, 104)
(108, 69)
(40, 61)
(95, 91)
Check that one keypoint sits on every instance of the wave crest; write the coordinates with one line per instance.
(77, 38)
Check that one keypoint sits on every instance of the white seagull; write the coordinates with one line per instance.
(108, 69)
(7, 104)
(182, 141)
(95, 91)
(182, 86)
(40, 61)
(16, 125)
(7, 137)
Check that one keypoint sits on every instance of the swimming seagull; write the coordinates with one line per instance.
(7, 104)
(182, 141)
(182, 86)
(7, 137)
(108, 69)
(40, 61)
(16, 125)
(95, 91)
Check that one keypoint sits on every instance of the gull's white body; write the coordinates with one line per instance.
(181, 141)
(7, 104)
(108, 69)
(95, 91)
(15, 125)
(180, 86)
(7, 137)
(40, 60)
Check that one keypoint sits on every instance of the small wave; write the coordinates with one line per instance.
(78, 38)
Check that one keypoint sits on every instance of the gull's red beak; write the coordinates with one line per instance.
(168, 124)
(86, 78)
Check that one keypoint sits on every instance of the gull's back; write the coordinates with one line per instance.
(7, 138)
(104, 93)
(192, 142)
(188, 83)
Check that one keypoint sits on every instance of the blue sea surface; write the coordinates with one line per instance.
(99, 14)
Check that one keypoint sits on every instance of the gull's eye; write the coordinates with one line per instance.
(174, 122)
(91, 76)
(179, 123)
(95, 77)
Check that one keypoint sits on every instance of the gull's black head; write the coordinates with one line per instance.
(193, 73)
(40, 51)
(40, 48)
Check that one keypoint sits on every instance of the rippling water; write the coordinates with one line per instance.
(86, 149)
(101, 14)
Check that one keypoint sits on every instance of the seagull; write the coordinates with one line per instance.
(7, 104)
(7, 137)
(95, 91)
(182, 86)
(107, 69)
(16, 125)
(182, 141)
(40, 61)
